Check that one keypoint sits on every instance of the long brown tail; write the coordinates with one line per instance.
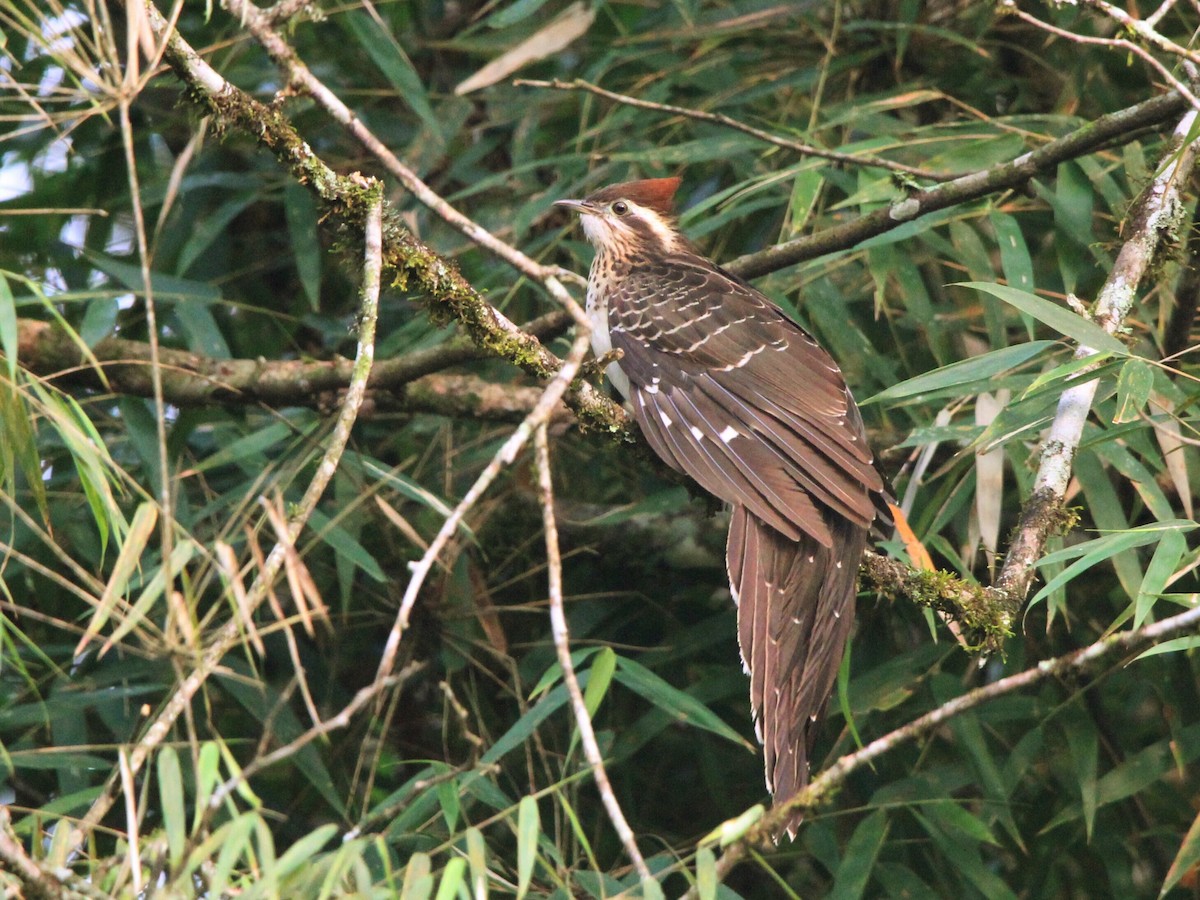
(795, 611)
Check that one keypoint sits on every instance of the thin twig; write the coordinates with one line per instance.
(230, 634)
(800, 147)
(1122, 44)
(558, 627)
(1125, 644)
(1153, 219)
(1145, 28)
(341, 719)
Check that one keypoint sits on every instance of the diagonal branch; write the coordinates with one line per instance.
(1119, 126)
(403, 254)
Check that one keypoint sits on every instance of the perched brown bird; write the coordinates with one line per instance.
(729, 390)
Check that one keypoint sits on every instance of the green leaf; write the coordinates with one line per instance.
(1097, 550)
(529, 826)
(166, 287)
(1133, 390)
(683, 707)
(1162, 566)
(1174, 645)
(477, 859)
(1139, 772)
(854, 870)
(1083, 739)
(1061, 319)
(208, 227)
(201, 331)
(339, 539)
(447, 792)
(1186, 859)
(170, 792)
(395, 65)
(300, 211)
(452, 879)
(515, 12)
(980, 368)
(302, 852)
(602, 674)
(418, 878)
(706, 874)
(9, 338)
(1014, 252)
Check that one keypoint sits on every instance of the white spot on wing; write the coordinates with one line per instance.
(697, 433)
(666, 420)
(728, 433)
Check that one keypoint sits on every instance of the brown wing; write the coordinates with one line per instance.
(759, 416)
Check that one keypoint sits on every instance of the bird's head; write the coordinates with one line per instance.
(636, 215)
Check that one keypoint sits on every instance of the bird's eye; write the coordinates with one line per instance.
(620, 208)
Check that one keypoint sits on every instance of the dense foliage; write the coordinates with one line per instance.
(467, 770)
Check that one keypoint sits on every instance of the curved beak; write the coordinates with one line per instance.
(579, 206)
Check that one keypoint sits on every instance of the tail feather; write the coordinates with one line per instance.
(795, 612)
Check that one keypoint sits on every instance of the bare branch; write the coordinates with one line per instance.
(192, 379)
(562, 644)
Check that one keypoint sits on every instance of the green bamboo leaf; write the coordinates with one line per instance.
(418, 878)
(515, 12)
(1175, 645)
(170, 792)
(452, 879)
(302, 852)
(9, 338)
(1061, 319)
(208, 776)
(529, 827)
(977, 369)
(1186, 859)
(208, 227)
(477, 859)
(1133, 390)
(300, 211)
(1014, 252)
(683, 707)
(706, 874)
(235, 846)
(181, 555)
(1162, 566)
(601, 677)
(447, 793)
(553, 674)
(1084, 742)
(1138, 772)
(395, 65)
(129, 560)
(1097, 550)
(854, 870)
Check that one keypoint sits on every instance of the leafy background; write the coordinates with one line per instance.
(470, 772)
